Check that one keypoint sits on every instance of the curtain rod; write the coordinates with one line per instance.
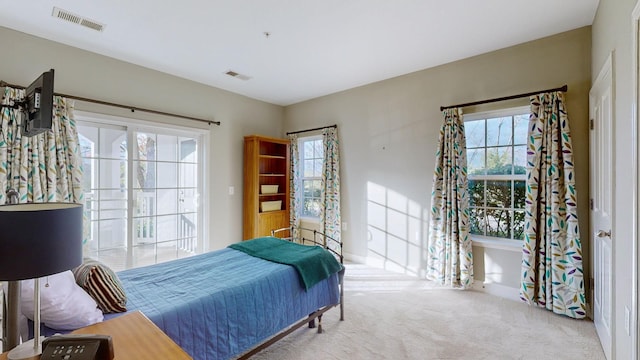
(132, 108)
(563, 89)
(319, 128)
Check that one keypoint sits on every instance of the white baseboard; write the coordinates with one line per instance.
(502, 291)
(354, 258)
(495, 289)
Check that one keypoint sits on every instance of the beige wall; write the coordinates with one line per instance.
(89, 75)
(388, 130)
(612, 33)
(388, 135)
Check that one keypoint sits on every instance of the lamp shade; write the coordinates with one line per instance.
(39, 239)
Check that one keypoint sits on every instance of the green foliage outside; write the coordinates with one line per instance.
(497, 217)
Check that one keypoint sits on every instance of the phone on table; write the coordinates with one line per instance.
(77, 347)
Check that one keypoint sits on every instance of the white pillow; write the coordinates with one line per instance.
(63, 304)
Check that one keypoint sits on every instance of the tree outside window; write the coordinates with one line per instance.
(312, 157)
(496, 165)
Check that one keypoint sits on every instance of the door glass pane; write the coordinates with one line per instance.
(167, 148)
(167, 251)
(187, 227)
(146, 146)
(145, 174)
(188, 150)
(167, 201)
(104, 184)
(145, 204)
(144, 231)
(88, 138)
(113, 143)
(92, 238)
(112, 174)
(187, 246)
(113, 233)
(144, 255)
(167, 175)
(167, 227)
(89, 174)
(188, 175)
(187, 201)
(115, 258)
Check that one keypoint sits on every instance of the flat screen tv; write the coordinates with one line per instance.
(38, 105)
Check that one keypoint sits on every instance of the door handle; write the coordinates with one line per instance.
(602, 233)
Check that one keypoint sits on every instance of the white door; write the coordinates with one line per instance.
(601, 202)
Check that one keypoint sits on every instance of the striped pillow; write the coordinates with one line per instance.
(102, 284)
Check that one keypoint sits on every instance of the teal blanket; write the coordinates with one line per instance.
(313, 263)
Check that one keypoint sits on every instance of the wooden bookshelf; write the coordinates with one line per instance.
(266, 162)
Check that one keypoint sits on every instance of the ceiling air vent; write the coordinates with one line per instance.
(77, 19)
(237, 75)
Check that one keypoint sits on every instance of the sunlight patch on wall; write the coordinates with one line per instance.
(395, 227)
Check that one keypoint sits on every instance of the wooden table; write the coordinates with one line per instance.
(134, 337)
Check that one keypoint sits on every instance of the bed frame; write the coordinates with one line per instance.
(317, 239)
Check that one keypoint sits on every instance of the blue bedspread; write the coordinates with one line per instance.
(219, 304)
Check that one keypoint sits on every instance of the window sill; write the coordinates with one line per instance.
(310, 220)
(493, 243)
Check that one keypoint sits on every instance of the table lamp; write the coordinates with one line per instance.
(38, 239)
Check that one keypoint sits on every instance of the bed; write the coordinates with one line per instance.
(229, 304)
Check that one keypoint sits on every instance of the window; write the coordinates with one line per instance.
(496, 165)
(159, 171)
(311, 163)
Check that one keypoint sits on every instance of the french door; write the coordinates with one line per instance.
(141, 189)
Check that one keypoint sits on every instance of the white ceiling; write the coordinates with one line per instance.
(314, 47)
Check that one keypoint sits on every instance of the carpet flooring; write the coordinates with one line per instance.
(392, 316)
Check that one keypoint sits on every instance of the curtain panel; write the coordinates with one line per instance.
(294, 186)
(42, 168)
(330, 221)
(450, 255)
(552, 273)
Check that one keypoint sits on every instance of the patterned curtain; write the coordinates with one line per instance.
(294, 186)
(45, 167)
(552, 252)
(450, 257)
(330, 195)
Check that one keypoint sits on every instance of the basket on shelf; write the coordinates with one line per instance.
(270, 205)
(269, 189)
